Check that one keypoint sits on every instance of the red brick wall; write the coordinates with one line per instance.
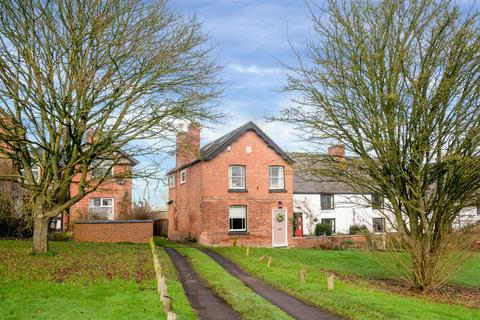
(117, 231)
(121, 193)
(201, 206)
(358, 241)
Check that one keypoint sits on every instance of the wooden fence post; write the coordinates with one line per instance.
(302, 276)
(330, 281)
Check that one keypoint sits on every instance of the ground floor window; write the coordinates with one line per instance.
(331, 222)
(238, 218)
(378, 224)
(101, 208)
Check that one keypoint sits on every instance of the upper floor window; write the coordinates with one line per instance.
(183, 176)
(276, 177)
(377, 201)
(236, 177)
(238, 218)
(478, 209)
(171, 181)
(326, 201)
(102, 168)
(35, 172)
(101, 208)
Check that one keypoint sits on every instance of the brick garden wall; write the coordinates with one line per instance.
(350, 241)
(136, 231)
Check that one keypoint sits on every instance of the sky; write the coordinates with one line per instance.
(251, 40)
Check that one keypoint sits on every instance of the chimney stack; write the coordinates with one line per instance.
(188, 145)
(337, 151)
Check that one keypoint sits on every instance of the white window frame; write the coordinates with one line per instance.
(172, 181)
(243, 176)
(96, 165)
(183, 176)
(92, 206)
(35, 169)
(36, 172)
(244, 229)
(280, 178)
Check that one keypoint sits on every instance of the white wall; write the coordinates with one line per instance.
(467, 216)
(349, 209)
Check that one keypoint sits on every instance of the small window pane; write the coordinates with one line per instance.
(276, 177)
(326, 201)
(106, 202)
(238, 218)
(236, 177)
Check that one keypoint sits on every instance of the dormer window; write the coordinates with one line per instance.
(236, 177)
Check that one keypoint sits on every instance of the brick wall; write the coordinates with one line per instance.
(135, 231)
(358, 241)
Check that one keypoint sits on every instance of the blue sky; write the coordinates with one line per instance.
(251, 38)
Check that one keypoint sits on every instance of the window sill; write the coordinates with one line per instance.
(238, 233)
(238, 190)
(277, 190)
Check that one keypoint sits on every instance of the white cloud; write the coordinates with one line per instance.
(254, 70)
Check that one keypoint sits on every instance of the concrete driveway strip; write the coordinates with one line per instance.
(291, 305)
(207, 303)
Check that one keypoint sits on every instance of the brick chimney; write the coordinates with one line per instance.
(337, 151)
(188, 145)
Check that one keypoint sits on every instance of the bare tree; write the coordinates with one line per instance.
(397, 83)
(94, 80)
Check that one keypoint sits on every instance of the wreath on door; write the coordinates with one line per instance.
(280, 217)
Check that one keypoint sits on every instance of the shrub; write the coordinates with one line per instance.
(323, 229)
(356, 229)
(60, 236)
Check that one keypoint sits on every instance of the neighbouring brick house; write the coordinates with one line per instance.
(112, 200)
(236, 188)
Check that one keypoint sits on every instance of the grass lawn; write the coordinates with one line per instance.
(243, 300)
(77, 281)
(355, 300)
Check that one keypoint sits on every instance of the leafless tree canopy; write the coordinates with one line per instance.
(398, 84)
(100, 79)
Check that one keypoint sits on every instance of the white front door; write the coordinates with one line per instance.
(279, 228)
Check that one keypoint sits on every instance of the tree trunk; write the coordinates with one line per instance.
(40, 232)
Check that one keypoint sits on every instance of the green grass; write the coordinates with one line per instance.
(357, 300)
(77, 281)
(233, 291)
(180, 303)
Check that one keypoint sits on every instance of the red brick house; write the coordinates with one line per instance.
(236, 188)
(112, 200)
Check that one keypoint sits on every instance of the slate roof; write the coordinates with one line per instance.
(304, 183)
(212, 149)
